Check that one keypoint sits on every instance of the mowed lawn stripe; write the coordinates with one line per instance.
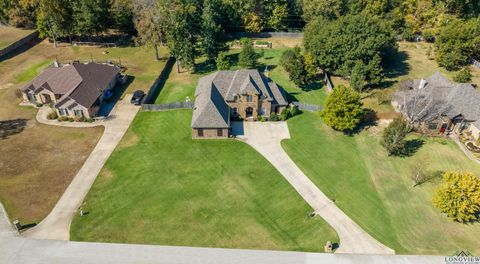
(162, 187)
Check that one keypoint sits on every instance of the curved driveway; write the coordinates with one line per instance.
(265, 137)
(57, 224)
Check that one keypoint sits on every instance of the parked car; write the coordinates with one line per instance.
(137, 97)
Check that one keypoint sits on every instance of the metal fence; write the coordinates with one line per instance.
(329, 83)
(476, 63)
(169, 106)
(307, 107)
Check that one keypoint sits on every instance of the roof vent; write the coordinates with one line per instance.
(423, 83)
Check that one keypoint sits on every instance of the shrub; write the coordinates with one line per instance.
(63, 118)
(89, 120)
(343, 109)
(285, 114)
(295, 111)
(463, 76)
(262, 42)
(79, 119)
(52, 115)
(273, 117)
(393, 138)
(458, 195)
(39, 104)
(222, 61)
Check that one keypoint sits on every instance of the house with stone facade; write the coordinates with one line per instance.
(438, 106)
(233, 95)
(73, 90)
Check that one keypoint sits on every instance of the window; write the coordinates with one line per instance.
(263, 111)
(78, 113)
(432, 126)
(63, 111)
(235, 111)
(249, 98)
(235, 98)
(219, 132)
(200, 132)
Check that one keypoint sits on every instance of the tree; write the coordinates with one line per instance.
(463, 76)
(222, 61)
(343, 109)
(212, 30)
(357, 42)
(252, 22)
(327, 9)
(310, 66)
(122, 12)
(458, 196)
(54, 19)
(90, 16)
(149, 25)
(457, 42)
(278, 16)
(293, 62)
(248, 57)
(393, 138)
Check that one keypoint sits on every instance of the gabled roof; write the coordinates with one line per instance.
(211, 109)
(459, 98)
(80, 82)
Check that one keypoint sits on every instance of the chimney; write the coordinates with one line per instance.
(423, 83)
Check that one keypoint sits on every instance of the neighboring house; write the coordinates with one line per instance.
(226, 95)
(437, 106)
(74, 90)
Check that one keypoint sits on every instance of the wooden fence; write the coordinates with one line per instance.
(17, 44)
(307, 107)
(169, 106)
(268, 34)
(95, 44)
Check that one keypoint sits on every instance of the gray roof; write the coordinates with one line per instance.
(211, 110)
(79, 82)
(460, 98)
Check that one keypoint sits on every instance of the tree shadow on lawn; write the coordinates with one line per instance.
(397, 65)
(412, 146)
(11, 127)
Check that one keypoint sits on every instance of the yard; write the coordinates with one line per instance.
(162, 187)
(8, 35)
(39, 162)
(179, 86)
(376, 190)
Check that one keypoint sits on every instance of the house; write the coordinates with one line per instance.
(74, 90)
(226, 95)
(437, 106)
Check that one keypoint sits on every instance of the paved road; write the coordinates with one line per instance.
(57, 224)
(265, 137)
(17, 249)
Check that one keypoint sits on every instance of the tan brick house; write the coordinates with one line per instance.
(226, 95)
(74, 90)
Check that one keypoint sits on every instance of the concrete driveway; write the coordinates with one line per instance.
(265, 137)
(57, 224)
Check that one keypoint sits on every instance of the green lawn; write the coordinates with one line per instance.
(32, 71)
(181, 85)
(376, 190)
(162, 187)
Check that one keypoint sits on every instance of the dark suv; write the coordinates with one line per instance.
(137, 97)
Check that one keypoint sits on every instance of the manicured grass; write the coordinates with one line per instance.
(162, 187)
(181, 85)
(39, 163)
(32, 71)
(9, 35)
(376, 191)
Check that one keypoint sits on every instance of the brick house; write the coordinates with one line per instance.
(74, 90)
(440, 105)
(226, 95)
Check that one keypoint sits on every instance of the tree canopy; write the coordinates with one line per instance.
(352, 42)
(343, 109)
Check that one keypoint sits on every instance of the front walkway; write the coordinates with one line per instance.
(17, 249)
(464, 148)
(265, 137)
(57, 224)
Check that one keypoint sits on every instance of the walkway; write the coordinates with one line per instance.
(57, 224)
(17, 249)
(265, 137)
(464, 148)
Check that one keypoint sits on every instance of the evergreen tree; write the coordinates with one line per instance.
(222, 61)
(393, 138)
(213, 33)
(248, 57)
(55, 19)
(91, 16)
(293, 62)
(343, 109)
(463, 76)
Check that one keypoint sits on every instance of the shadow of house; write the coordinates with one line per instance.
(118, 91)
(11, 127)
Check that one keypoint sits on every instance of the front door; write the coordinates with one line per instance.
(248, 112)
(46, 99)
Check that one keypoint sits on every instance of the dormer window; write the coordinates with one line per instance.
(235, 97)
(249, 98)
